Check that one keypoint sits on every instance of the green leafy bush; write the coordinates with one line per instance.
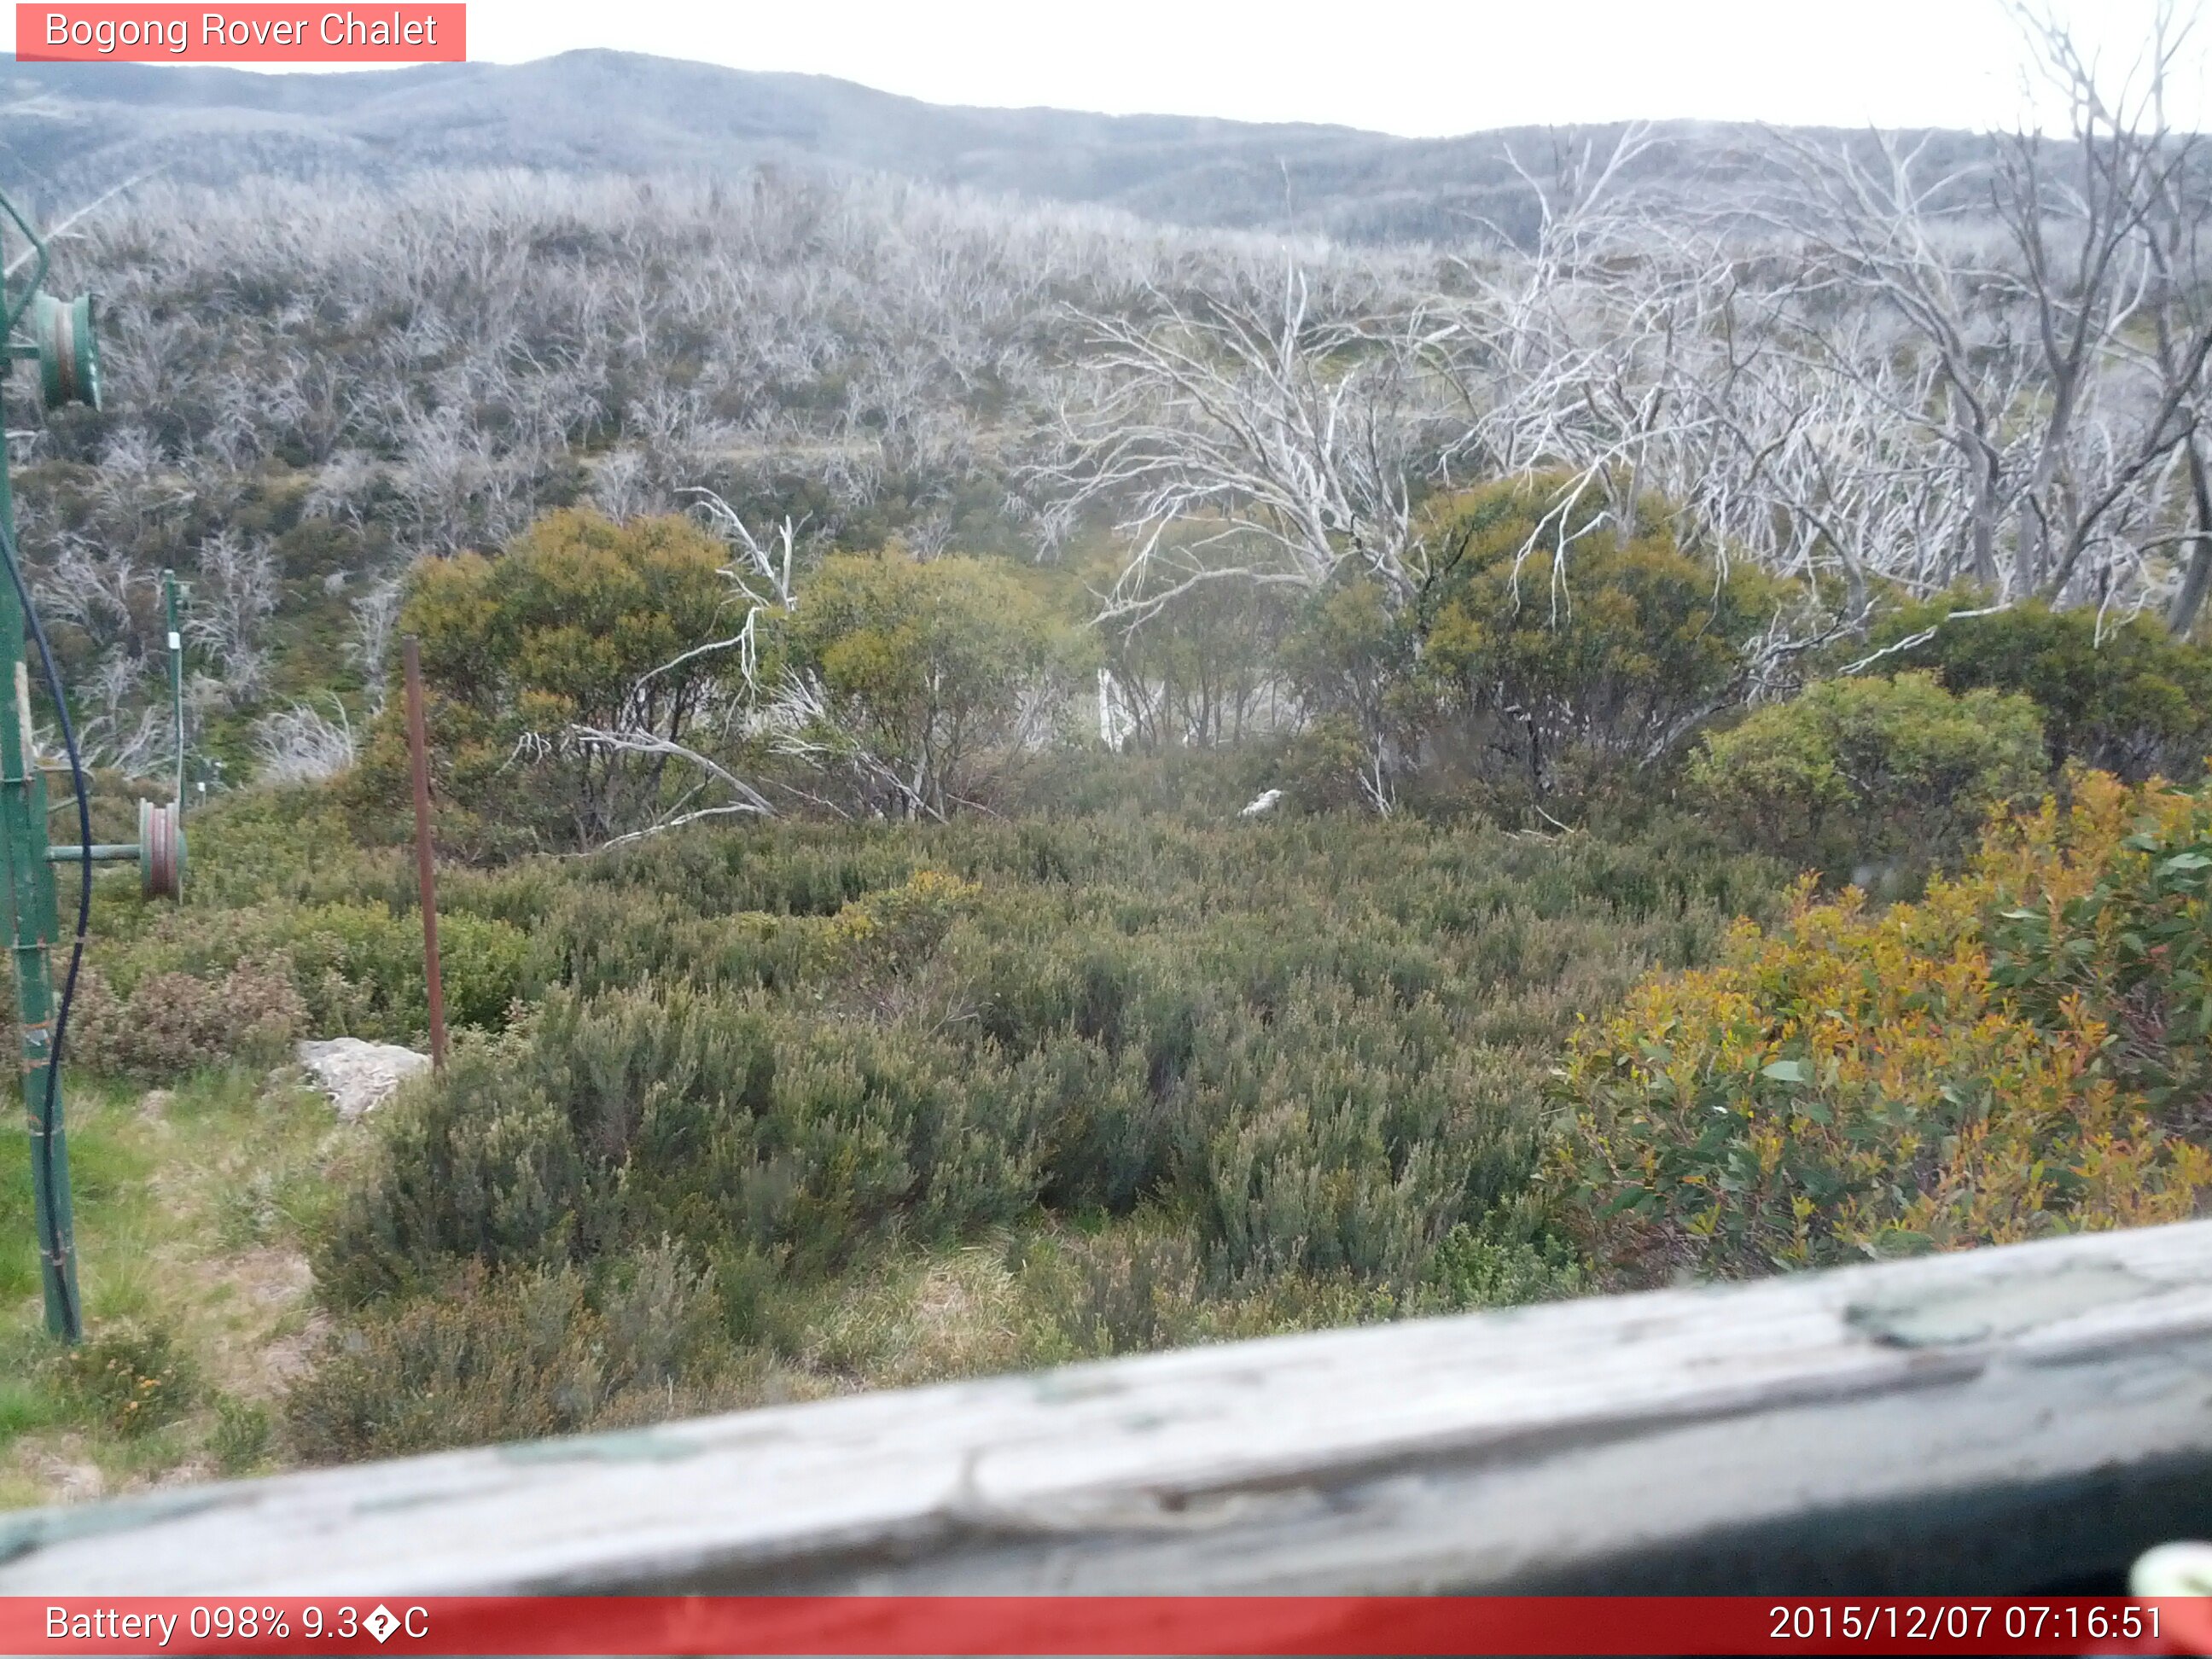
(1492, 1266)
(242, 1437)
(2124, 696)
(921, 668)
(1541, 649)
(889, 932)
(1857, 771)
(1144, 1283)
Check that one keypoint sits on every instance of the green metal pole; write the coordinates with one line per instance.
(102, 852)
(31, 932)
(176, 680)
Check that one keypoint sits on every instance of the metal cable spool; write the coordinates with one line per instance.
(69, 358)
(160, 851)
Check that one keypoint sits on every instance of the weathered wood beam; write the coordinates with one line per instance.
(2014, 1419)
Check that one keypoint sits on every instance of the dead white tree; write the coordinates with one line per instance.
(657, 751)
(1261, 439)
(232, 602)
(118, 728)
(2048, 339)
(802, 724)
(1564, 347)
(761, 572)
(302, 745)
(375, 624)
(1289, 444)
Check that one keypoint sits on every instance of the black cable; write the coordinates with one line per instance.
(49, 1113)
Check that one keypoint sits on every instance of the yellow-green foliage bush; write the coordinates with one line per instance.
(921, 668)
(1858, 770)
(2127, 934)
(2127, 697)
(1542, 650)
(560, 629)
(1549, 633)
(1940, 1075)
(900, 926)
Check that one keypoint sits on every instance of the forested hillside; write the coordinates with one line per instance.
(1014, 782)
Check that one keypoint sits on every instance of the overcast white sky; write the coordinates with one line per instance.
(1416, 67)
(1419, 67)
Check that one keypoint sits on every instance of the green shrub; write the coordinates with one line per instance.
(359, 968)
(618, 1119)
(1547, 634)
(129, 1379)
(1351, 657)
(1322, 1039)
(557, 630)
(2124, 696)
(299, 845)
(355, 969)
(1488, 1266)
(1331, 766)
(893, 930)
(1856, 771)
(242, 1437)
(921, 668)
(172, 1023)
(1142, 1284)
(518, 1356)
(1543, 651)
(1125, 1290)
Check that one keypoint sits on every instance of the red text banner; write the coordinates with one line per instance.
(1133, 1625)
(260, 34)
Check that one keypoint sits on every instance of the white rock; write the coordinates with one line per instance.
(1264, 802)
(359, 1076)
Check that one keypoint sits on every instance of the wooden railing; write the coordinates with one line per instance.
(2024, 1418)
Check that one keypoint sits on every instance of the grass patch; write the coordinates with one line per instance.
(194, 1209)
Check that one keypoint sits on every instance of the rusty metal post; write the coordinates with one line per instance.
(418, 746)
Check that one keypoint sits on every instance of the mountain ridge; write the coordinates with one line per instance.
(67, 130)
